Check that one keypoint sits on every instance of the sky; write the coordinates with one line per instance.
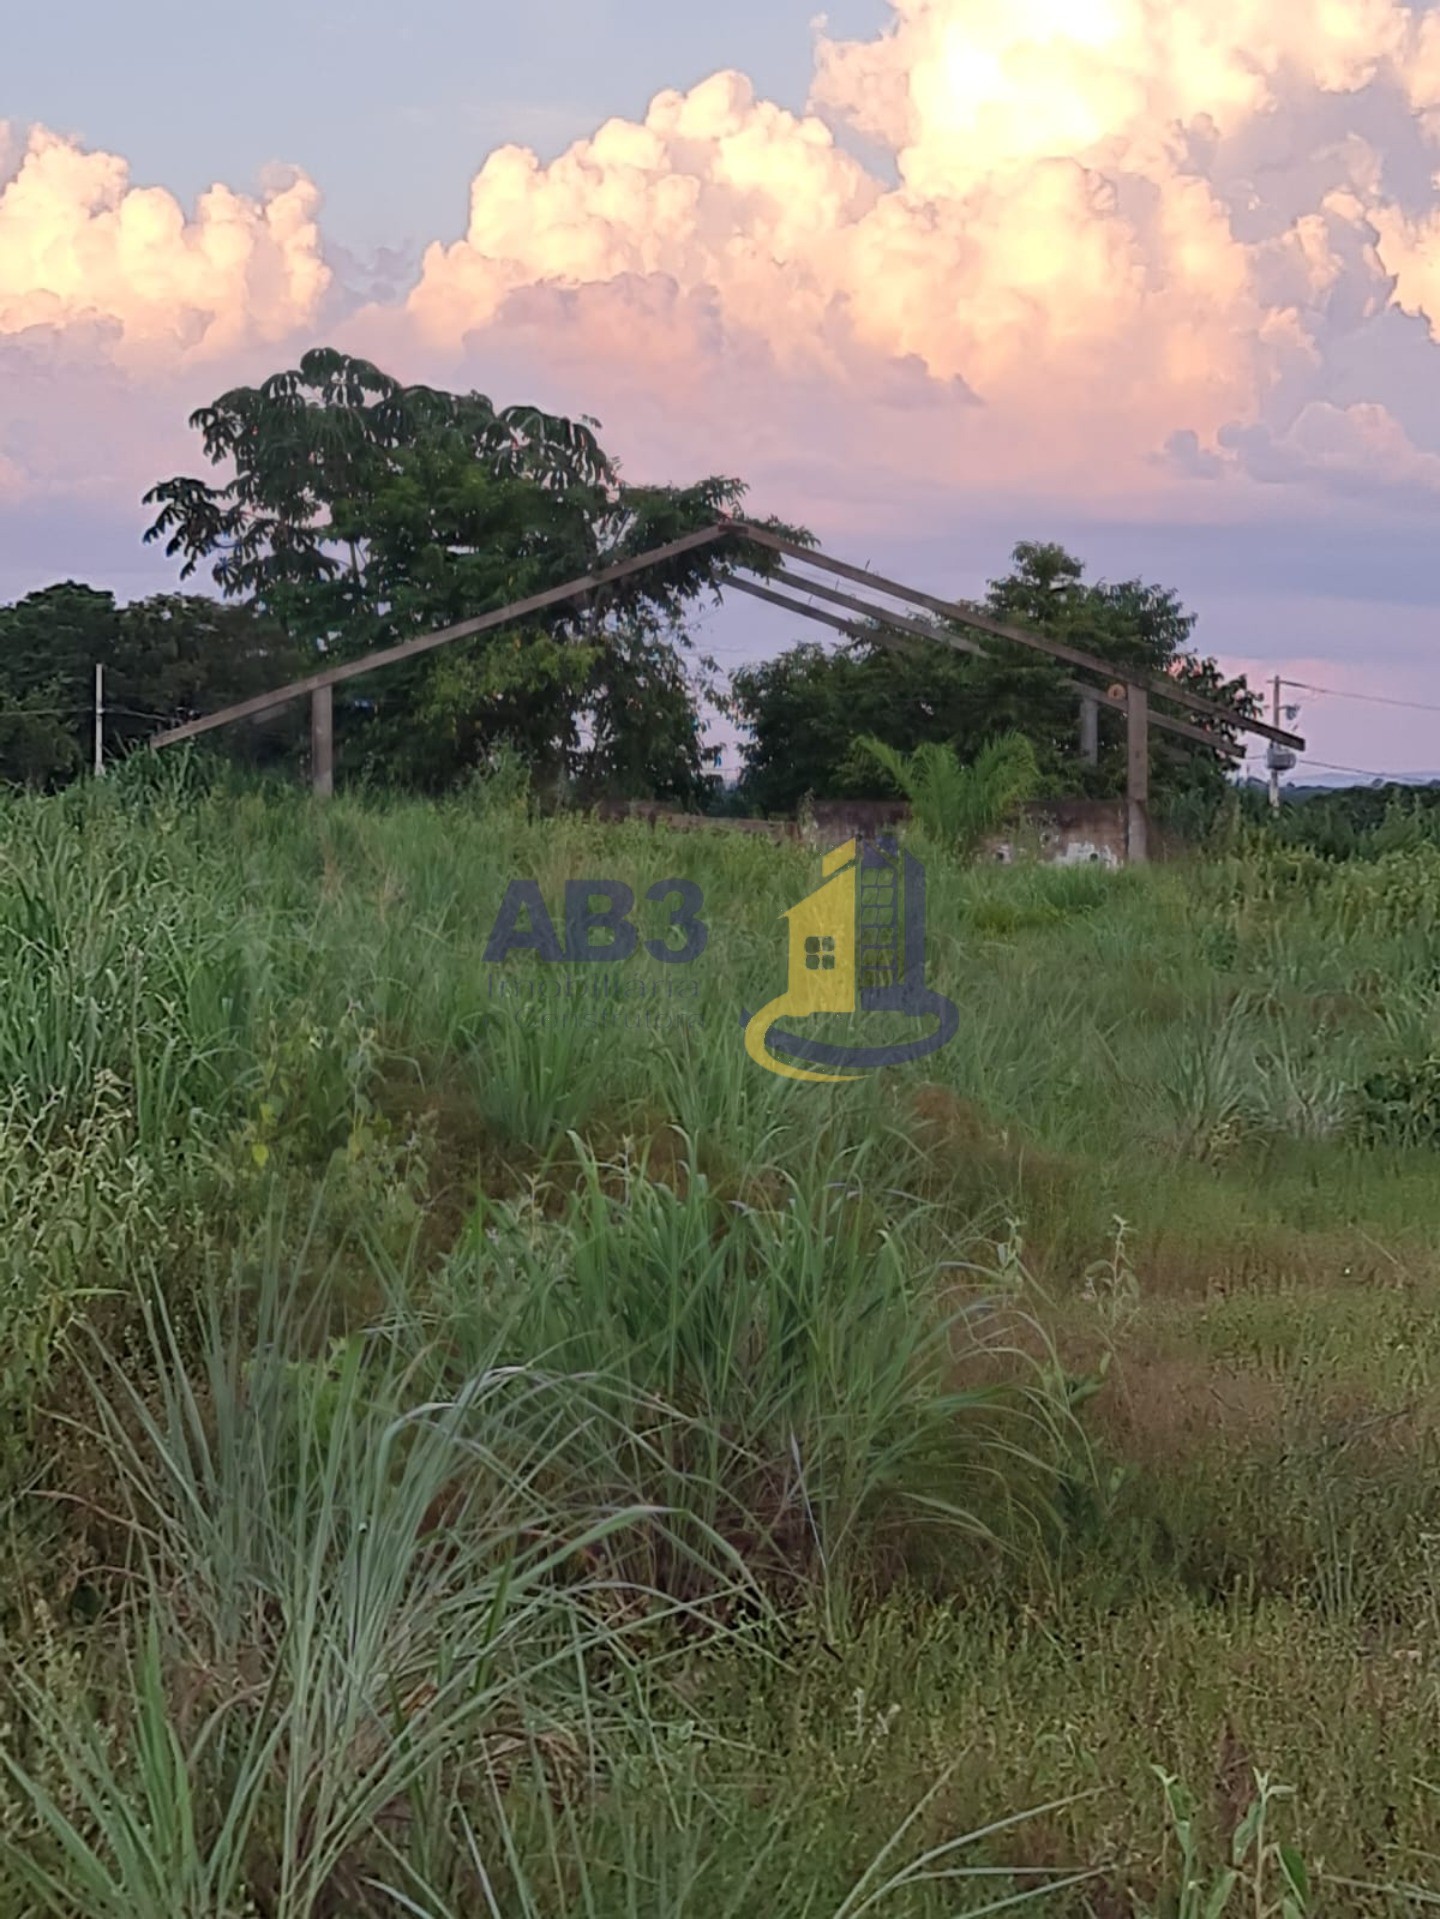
(1158, 280)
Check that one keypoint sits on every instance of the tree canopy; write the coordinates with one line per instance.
(807, 712)
(167, 659)
(347, 512)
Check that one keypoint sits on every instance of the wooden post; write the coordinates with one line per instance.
(1137, 774)
(1089, 729)
(322, 741)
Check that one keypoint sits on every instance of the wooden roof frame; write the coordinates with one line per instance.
(912, 630)
(1129, 690)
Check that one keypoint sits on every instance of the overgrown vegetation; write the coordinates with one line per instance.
(811, 710)
(359, 512)
(495, 1452)
(957, 806)
(1354, 822)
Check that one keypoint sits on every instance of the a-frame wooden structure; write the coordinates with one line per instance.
(1142, 697)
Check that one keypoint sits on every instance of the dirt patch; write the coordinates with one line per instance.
(649, 1145)
(1164, 1409)
(1266, 1257)
(943, 1119)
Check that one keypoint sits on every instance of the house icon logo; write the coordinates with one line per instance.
(857, 944)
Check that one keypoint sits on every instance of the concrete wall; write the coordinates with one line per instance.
(830, 822)
(650, 813)
(1065, 833)
(1059, 832)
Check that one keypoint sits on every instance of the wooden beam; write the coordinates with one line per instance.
(322, 741)
(1137, 775)
(1156, 683)
(582, 588)
(852, 628)
(908, 630)
(424, 642)
(1118, 703)
(898, 620)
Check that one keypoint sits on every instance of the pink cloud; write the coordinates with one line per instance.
(81, 247)
(1081, 258)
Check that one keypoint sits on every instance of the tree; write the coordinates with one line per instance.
(166, 660)
(806, 711)
(646, 738)
(359, 512)
(1133, 625)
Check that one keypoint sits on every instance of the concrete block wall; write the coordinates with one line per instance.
(1059, 832)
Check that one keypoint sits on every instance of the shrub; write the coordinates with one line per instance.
(957, 806)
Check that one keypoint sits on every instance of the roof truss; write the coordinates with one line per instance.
(1113, 686)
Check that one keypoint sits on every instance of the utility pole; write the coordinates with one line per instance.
(99, 720)
(1279, 759)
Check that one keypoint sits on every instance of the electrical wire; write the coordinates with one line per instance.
(1365, 772)
(1328, 766)
(1374, 699)
(85, 710)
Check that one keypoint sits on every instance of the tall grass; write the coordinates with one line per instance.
(352, 1620)
(790, 1375)
(344, 1607)
(461, 1461)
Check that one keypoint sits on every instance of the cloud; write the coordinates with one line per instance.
(1113, 223)
(80, 247)
(1185, 454)
(1361, 449)
(1114, 251)
(1130, 310)
(961, 91)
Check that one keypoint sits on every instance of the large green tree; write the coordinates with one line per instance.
(360, 512)
(806, 711)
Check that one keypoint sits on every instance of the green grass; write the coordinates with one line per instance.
(462, 1459)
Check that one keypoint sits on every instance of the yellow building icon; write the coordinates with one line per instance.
(821, 962)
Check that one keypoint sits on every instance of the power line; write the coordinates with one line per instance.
(1328, 766)
(20, 711)
(1365, 772)
(1375, 699)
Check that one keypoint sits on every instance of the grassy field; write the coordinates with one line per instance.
(465, 1458)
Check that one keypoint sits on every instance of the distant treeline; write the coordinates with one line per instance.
(167, 659)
